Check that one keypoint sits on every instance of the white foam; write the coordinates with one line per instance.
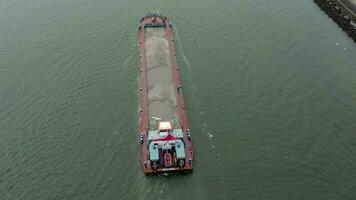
(210, 136)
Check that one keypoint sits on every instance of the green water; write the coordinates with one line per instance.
(269, 87)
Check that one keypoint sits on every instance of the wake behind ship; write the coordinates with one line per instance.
(164, 130)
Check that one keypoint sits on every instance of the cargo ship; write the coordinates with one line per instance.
(165, 140)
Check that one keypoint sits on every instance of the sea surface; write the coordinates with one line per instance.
(270, 88)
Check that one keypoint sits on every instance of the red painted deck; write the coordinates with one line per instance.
(143, 96)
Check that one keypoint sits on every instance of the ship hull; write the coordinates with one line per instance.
(160, 90)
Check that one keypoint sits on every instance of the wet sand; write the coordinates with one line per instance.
(161, 98)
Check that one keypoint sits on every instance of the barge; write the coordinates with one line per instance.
(165, 139)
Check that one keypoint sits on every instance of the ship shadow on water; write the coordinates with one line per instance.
(169, 174)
